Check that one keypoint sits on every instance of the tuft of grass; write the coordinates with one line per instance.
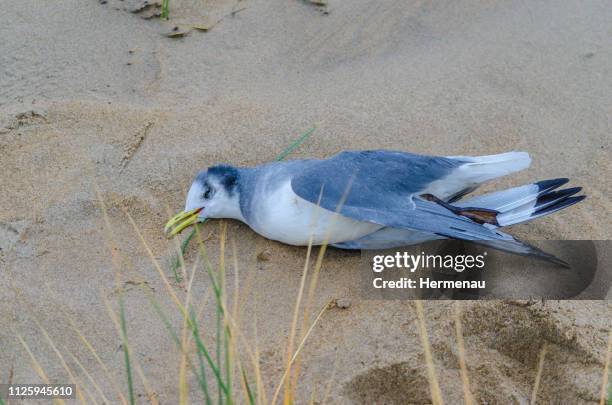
(220, 358)
(199, 359)
(200, 345)
(176, 262)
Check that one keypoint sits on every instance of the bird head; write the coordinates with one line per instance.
(213, 194)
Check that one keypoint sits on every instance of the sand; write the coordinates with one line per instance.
(96, 104)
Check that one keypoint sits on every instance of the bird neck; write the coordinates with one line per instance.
(232, 208)
(246, 185)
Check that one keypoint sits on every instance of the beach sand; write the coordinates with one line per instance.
(98, 105)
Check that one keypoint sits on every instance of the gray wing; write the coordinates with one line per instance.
(382, 187)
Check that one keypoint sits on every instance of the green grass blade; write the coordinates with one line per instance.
(126, 353)
(202, 348)
(202, 375)
(218, 350)
(165, 12)
(219, 310)
(193, 325)
(248, 387)
(228, 367)
(1, 401)
(176, 264)
(196, 332)
(217, 289)
(295, 144)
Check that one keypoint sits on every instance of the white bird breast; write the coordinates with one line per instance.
(288, 218)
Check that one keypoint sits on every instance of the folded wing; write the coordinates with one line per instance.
(384, 187)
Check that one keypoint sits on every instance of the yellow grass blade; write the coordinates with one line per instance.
(98, 359)
(73, 379)
(298, 350)
(315, 277)
(90, 378)
(434, 387)
(36, 365)
(605, 379)
(465, 379)
(296, 310)
(157, 266)
(536, 384)
(261, 392)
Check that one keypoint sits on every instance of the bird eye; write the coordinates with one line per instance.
(206, 194)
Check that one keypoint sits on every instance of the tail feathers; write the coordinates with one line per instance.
(506, 200)
(524, 203)
(551, 203)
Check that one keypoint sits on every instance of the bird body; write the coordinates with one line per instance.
(286, 217)
(375, 199)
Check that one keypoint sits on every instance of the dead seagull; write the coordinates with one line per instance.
(375, 200)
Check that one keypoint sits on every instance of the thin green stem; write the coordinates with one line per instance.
(248, 387)
(202, 376)
(204, 384)
(176, 264)
(228, 368)
(126, 353)
(295, 144)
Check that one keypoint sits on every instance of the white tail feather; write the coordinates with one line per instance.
(477, 170)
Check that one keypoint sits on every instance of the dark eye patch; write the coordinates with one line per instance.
(208, 192)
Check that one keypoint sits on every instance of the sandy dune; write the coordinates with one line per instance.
(93, 97)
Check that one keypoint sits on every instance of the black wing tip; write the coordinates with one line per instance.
(569, 191)
(552, 183)
(557, 195)
(567, 202)
(577, 199)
